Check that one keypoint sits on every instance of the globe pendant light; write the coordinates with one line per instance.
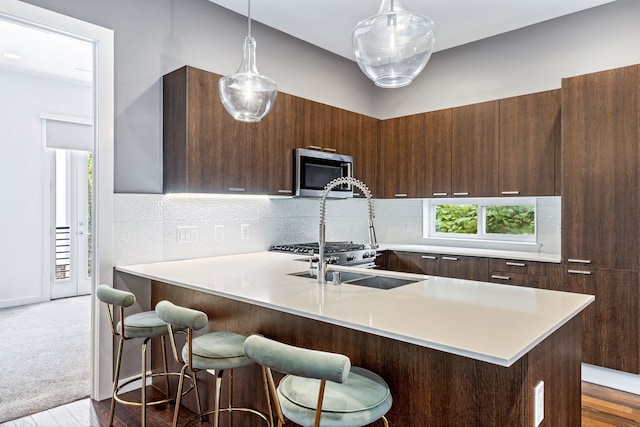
(247, 95)
(393, 46)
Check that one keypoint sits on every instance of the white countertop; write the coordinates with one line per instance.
(484, 321)
(462, 251)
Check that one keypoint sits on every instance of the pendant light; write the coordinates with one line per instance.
(247, 95)
(393, 46)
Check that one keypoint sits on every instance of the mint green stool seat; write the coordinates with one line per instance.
(216, 351)
(320, 388)
(145, 325)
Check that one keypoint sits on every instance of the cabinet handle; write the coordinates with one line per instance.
(429, 257)
(495, 276)
(579, 272)
(400, 195)
(516, 264)
(461, 194)
(510, 193)
(284, 191)
(450, 258)
(440, 194)
(236, 189)
(580, 261)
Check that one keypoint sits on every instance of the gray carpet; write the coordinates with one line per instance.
(44, 356)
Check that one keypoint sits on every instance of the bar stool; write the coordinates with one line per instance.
(144, 325)
(216, 351)
(320, 388)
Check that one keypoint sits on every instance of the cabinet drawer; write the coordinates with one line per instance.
(517, 279)
(464, 267)
(531, 268)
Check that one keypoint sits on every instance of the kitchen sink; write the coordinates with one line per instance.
(360, 279)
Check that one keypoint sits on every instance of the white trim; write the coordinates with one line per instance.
(102, 38)
(69, 119)
(611, 378)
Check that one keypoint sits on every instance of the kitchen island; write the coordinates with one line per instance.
(454, 352)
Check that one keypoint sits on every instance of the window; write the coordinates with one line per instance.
(508, 219)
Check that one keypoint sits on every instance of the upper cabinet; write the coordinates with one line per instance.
(415, 156)
(207, 151)
(474, 150)
(529, 153)
(497, 148)
(600, 164)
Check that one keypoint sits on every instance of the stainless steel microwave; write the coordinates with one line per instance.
(314, 169)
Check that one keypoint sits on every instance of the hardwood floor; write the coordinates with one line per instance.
(601, 407)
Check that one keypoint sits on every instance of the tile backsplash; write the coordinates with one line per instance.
(151, 227)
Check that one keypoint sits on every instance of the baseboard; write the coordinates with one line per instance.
(22, 301)
(611, 378)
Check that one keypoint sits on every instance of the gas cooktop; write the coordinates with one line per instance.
(342, 253)
(312, 248)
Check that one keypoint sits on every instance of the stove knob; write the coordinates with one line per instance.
(333, 259)
(351, 257)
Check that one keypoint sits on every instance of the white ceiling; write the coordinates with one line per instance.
(45, 52)
(328, 23)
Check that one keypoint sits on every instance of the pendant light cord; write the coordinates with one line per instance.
(249, 19)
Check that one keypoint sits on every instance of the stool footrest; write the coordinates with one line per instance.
(233, 409)
(118, 390)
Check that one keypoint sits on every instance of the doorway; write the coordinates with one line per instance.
(102, 108)
(71, 248)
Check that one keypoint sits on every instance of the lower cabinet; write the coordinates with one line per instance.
(454, 266)
(610, 325)
(611, 333)
(541, 275)
(413, 262)
(464, 267)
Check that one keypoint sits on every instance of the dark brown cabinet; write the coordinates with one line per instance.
(541, 275)
(611, 323)
(207, 151)
(413, 262)
(600, 166)
(394, 158)
(474, 150)
(464, 267)
(204, 149)
(431, 154)
(454, 266)
(529, 153)
(600, 227)
(415, 156)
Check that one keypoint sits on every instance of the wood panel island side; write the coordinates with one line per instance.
(454, 352)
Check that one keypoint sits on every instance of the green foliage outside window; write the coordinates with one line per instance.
(510, 220)
(460, 219)
(498, 219)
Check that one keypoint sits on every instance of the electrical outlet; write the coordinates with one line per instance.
(218, 233)
(538, 404)
(244, 231)
(186, 234)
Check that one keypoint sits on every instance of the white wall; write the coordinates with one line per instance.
(22, 177)
(529, 60)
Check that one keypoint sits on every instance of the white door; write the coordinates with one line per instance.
(72, 248)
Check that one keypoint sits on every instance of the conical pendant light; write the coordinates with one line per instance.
(247, 95)
(393, 46)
